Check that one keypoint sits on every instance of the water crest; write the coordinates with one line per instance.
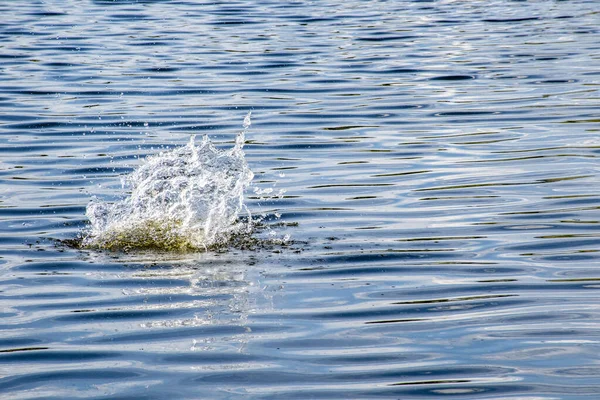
(184, 199)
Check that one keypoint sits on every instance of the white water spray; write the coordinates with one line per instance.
(185, 199)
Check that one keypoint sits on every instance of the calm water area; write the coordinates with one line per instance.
(435, 164)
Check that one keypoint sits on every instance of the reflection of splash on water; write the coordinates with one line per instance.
(185, 199)
(222, 291)
(222, 295)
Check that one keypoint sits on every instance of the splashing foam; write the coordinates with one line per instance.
(185, 199)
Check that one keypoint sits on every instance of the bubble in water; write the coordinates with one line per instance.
(184, 199)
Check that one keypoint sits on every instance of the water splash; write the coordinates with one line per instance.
(185, 199)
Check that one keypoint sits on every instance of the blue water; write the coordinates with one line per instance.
(434, 162)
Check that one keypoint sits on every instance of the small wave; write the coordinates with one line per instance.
(185, 199)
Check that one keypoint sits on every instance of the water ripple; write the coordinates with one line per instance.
(434, 163)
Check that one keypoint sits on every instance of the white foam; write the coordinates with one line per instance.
(185, 199)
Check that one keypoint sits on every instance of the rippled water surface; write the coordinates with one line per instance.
(434, 162)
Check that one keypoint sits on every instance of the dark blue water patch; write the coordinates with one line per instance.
(381, 37)
(111, 96)
(510, 20)
(453, 78)
(160, 69)
(361, 271)
(588, 31)
(65, 266)
(385, 257)
(62, 64)
(553, 81)
(46, 355)
(328, 271)
(46, 13)
(33, 380)
(483, 288)
(259, 378)
(405, 313)
(92, 172)
(13, 55)
(312, 20)
(547, 333)
(396, 71)
(577, 372)
(592, 200)
(466, 113)
(43, 211)
(127, 2)
(557, 243)
(7, 314)
(150, 44)
(92, 316)
(571, 257)
(276, 65)
(235, 22)
(53, 48)
(134, 15)
(450, 21)
(157, 394)
(31, 148)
